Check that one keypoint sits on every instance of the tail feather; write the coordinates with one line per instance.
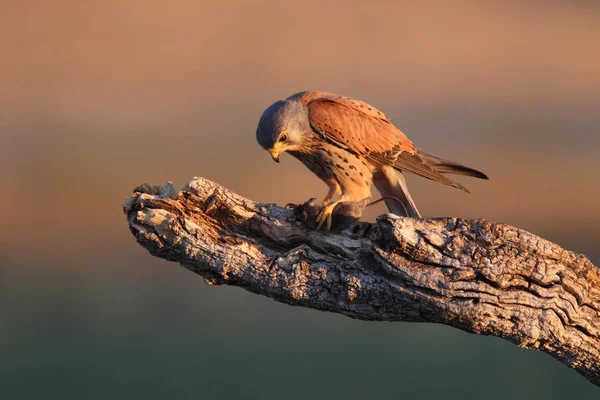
(415, 164)
(450, 167)
(432, 167)
(390, 183)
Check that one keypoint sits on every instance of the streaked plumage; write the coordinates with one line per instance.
(349, 144)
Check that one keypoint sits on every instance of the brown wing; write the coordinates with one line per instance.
(364, 130)
(355, 125)
(367, 109)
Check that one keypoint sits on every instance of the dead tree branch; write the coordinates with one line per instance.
(474, 275)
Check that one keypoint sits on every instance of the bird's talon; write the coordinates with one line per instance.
(325, 215)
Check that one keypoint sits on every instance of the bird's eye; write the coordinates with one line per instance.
(283, 138)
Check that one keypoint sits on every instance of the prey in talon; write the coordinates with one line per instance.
(350, 145)
(344, 215)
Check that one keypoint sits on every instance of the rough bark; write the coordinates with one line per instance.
(478, 276)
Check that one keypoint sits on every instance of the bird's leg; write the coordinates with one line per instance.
(334, 189)
(326, 213)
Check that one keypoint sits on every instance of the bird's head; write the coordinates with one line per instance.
(283, 127)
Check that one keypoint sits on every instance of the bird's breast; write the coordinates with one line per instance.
(352, 172)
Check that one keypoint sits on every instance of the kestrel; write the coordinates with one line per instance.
(349, 144)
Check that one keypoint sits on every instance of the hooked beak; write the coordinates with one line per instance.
(275, 154)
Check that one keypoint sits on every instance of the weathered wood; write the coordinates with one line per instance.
(481, 277)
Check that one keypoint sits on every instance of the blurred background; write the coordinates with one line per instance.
(99, 97)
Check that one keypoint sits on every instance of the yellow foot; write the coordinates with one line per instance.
(326, 215)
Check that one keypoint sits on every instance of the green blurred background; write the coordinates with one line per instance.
(99, 97)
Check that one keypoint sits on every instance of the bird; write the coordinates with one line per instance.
(350, 145)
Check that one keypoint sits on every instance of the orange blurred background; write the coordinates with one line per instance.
(99, 97)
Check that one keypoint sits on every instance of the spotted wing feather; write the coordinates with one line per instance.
(362, 134)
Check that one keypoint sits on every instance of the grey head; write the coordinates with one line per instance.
(283, 127)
